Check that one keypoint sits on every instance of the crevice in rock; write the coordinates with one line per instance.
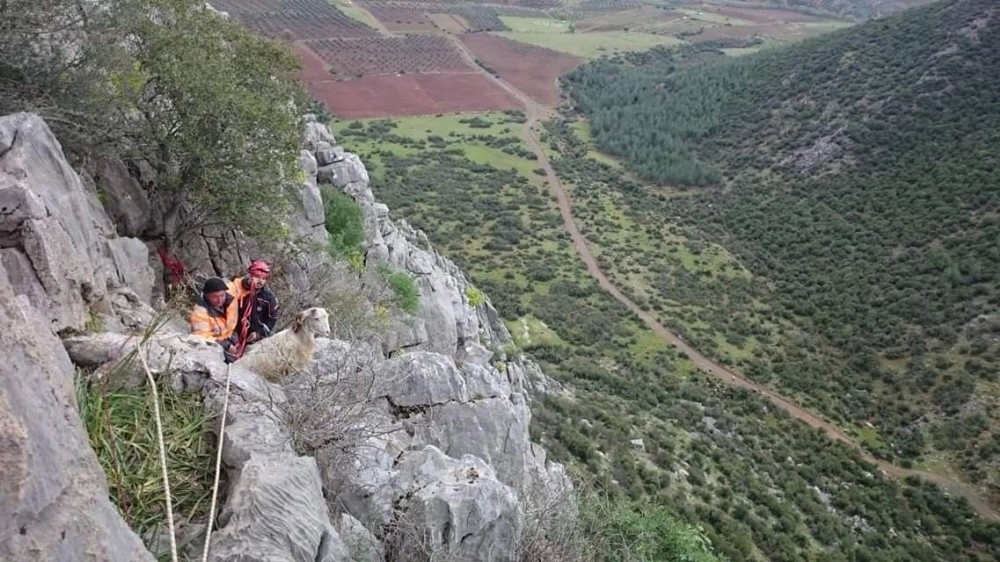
(403, 412)
(446, 532)
(323, 551)
(391, 541)
(13, 240)
(403, 349)
(13, 142)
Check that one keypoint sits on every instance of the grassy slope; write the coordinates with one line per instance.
(356, 12)
(874, 266)
(556, 35)
(736, 480)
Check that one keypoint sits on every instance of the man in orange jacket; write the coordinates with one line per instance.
(215, 315)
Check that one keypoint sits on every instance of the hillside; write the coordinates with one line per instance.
(636, 418)
(852, 178)
(861, 9)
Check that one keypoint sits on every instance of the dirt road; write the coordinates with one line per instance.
(535, 113)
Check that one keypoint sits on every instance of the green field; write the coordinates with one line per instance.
(558, 36)
(355, 12)
(535, 25)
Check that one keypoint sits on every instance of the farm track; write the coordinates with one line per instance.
(536, 113)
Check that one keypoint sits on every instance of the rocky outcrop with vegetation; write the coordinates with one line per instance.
(400, 446)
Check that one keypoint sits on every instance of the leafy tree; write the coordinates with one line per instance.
(55, 57)
(212, 108)
(220, 122)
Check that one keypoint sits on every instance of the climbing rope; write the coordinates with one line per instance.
(163, 452)
(241, 344)
(218, 464)
(236, 351)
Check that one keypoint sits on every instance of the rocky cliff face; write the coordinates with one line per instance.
(58, 269)
(395, 450)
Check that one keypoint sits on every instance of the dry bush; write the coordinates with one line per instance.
(304, 279)
(552, 530)
(332, 410)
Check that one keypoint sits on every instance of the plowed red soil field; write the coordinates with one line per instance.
(314, 69)
(533, 70)
(413, 94)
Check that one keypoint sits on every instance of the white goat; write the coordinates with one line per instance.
(291, 349)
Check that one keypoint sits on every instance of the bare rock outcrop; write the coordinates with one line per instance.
(448, 320)
(57, 245)
(414, 445)
(53, 494)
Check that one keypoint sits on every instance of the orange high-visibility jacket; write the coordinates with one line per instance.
(214, 324)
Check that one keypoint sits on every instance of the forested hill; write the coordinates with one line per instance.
(861, 9)
(888, 85)
(858, 176)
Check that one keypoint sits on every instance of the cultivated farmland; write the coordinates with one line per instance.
(397, 16)
(293, 19)
(412, 94)
(367, 56)
(451, 23)
(479, 18)
(400, 57)
(533, 70)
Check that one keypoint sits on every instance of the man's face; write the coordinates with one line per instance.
(257, 282)
(216, 299)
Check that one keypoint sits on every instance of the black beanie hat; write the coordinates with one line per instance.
(213, 285)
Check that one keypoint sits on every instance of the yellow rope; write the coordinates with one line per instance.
(218, 465)
(163, 453)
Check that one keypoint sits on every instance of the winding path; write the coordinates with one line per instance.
(535, 112)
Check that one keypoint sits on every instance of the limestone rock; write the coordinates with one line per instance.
(308, 163)
(53, 494)
(474, 353)
(315, 132)
(276, 513)
(33, 158)
(130, 260)
(275, 509)
(124, 199)
(350, 173)
(56, 241)
(455, 507)
(362, 546)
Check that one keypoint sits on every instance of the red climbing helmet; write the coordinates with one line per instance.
(259, 268)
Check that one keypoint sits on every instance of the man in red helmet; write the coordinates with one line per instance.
(256, 300)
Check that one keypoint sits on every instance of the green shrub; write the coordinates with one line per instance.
(404, 288)
(622, 531)
(344, 221)
(475, 296)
